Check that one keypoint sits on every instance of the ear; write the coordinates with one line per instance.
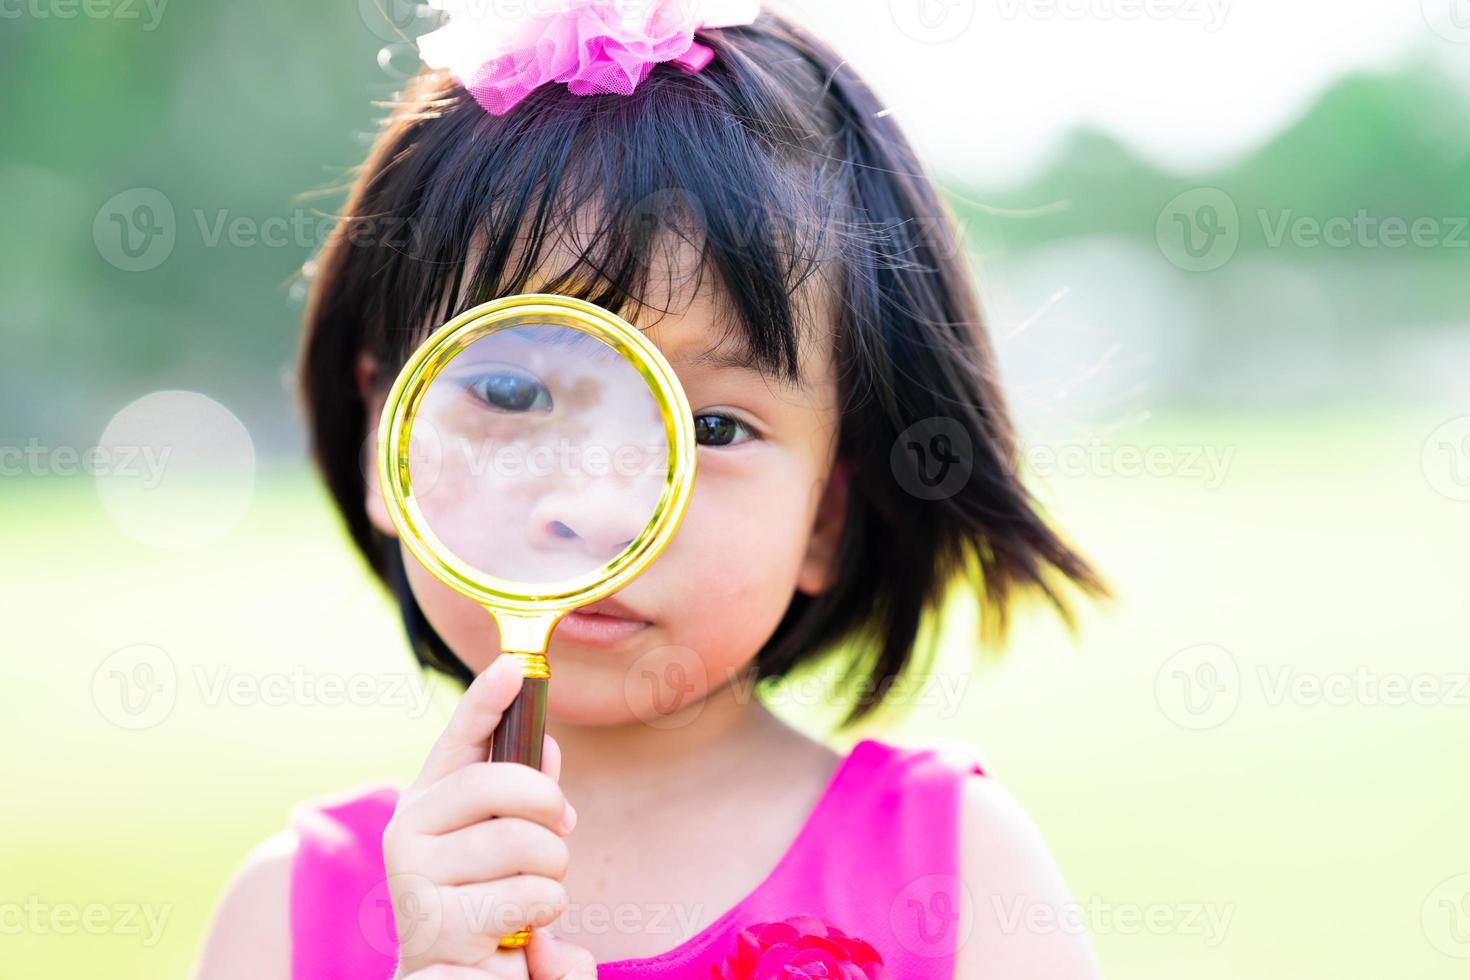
(819, 565)
(365, 374)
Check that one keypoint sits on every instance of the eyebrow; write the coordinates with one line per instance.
(737, 356)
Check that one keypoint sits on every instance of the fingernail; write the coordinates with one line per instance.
(569, 818)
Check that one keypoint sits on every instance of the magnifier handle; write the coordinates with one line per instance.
(519, 735)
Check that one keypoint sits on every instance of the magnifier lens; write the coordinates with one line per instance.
(538, 454)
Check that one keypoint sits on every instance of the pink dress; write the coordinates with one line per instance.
(871, 882)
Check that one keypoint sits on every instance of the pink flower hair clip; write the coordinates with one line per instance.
(502, 50)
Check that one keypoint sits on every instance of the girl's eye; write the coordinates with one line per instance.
(509, 390)
(720, 430)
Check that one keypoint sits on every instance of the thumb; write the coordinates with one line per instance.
(549, 958)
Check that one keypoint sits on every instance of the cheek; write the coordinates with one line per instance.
(461, 622)
(718, 592)
(732, 569)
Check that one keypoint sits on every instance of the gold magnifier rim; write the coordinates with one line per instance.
(401, 408)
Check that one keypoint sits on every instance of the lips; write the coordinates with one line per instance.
(607, 623)
(613, 608)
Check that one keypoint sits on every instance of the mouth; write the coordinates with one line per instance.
(603, 624)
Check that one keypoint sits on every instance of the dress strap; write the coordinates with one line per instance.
(341, 912)
(883, 858)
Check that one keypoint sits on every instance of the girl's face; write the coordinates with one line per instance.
(762, 524)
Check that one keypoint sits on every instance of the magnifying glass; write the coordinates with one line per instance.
(536, 453)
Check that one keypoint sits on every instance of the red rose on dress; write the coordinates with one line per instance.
(802, 947)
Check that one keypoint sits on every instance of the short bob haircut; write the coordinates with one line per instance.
(782, 165)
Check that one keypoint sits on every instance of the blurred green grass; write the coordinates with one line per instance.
(1320, 830)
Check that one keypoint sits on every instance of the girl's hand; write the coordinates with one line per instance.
(474, 850)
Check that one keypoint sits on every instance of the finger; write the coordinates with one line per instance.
(492, 849)
(550, 958)
(492, 910)
(485, 790)
(551, 765)
(551, 758)
(466, 739)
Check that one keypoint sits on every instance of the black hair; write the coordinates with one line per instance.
(781, 165)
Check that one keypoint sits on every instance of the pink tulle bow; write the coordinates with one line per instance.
(502, 50)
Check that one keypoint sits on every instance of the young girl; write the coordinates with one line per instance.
(754, 209)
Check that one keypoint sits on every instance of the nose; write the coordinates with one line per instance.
(589, 520)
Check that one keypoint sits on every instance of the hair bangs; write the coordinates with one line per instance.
(603, 201)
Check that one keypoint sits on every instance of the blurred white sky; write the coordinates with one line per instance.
(985, 87)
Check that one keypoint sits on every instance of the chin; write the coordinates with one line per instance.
(620, 692)
(568, 703)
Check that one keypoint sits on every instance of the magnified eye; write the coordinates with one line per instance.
(508, 389)
(711, 429)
